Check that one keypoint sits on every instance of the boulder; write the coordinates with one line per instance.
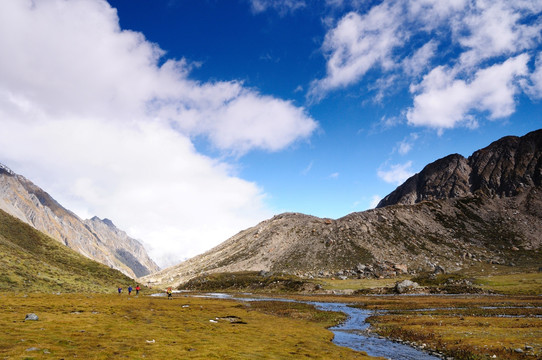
(405, 286)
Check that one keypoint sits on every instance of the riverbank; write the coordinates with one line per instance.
(460, 327)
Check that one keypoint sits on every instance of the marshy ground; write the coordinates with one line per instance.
(96, 326)
(105, 326)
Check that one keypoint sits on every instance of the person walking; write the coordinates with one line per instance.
(169, 293)
(119, 289)
(137, 289)
(130, 290)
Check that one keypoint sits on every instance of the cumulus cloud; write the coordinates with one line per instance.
(535, 88)
(496, 28)
(396, 173)
(482, 39)
(357, 44)
(94, 115)
(443, 101)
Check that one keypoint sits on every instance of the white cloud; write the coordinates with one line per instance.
(399, 39)
(334, 175)
(535, 88)
(375, 199)
(283, 7)
(495, 28)
(88, 113)
(406, 145)
(307, 169)
(357, 44)
(443, 100)
(420, 60)
(396, 173)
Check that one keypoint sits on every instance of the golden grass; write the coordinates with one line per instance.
(526, 283)
(357, 284)
(462, 326)
(98, 326)
(465, 337)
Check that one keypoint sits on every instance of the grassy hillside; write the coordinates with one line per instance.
(33, 262)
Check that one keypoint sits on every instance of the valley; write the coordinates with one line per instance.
(447, 265)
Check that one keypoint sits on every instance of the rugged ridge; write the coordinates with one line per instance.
(456, 213)
(503, 168)
(96, 239)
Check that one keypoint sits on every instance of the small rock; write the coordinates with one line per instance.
(519, 351)
(401, 267)
(33, 349)
(31, 317)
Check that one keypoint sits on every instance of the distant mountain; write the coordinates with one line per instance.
(34, 262)
(504, 168)
(96, 239)
(456, 213)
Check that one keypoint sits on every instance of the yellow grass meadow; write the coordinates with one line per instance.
(98, 326)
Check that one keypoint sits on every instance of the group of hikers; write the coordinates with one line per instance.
(169, 291)
(130, 289)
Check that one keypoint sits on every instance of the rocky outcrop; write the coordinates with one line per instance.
(504, 168)
(97, 239)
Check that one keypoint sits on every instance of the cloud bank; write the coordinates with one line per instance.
(461, 58)
(96, 115)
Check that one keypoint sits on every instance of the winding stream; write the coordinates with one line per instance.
(353, 332)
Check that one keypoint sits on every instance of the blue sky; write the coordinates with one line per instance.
(187, 121)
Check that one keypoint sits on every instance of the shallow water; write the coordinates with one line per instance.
(352, 333)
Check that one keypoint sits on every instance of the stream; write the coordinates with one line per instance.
(353, 332)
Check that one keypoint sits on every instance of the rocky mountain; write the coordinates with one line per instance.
(96, 239)
(454, 214)
(32, 261)
(504, 168)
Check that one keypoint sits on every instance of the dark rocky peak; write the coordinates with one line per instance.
(5, 170)
(508, 165)
(445, 178)
(105, 221)
(503, 168)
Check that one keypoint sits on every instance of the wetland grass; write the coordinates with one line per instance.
(477, 327)
(100, 326)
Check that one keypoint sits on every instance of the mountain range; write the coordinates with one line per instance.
(456, 213)
(94, 238)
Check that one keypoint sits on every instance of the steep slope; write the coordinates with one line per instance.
(96, 239)
(503, 168)
(455, 213)
(32, 261)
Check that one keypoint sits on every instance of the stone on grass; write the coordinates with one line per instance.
(31, 317)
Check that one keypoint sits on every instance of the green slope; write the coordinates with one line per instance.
(31, 261)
